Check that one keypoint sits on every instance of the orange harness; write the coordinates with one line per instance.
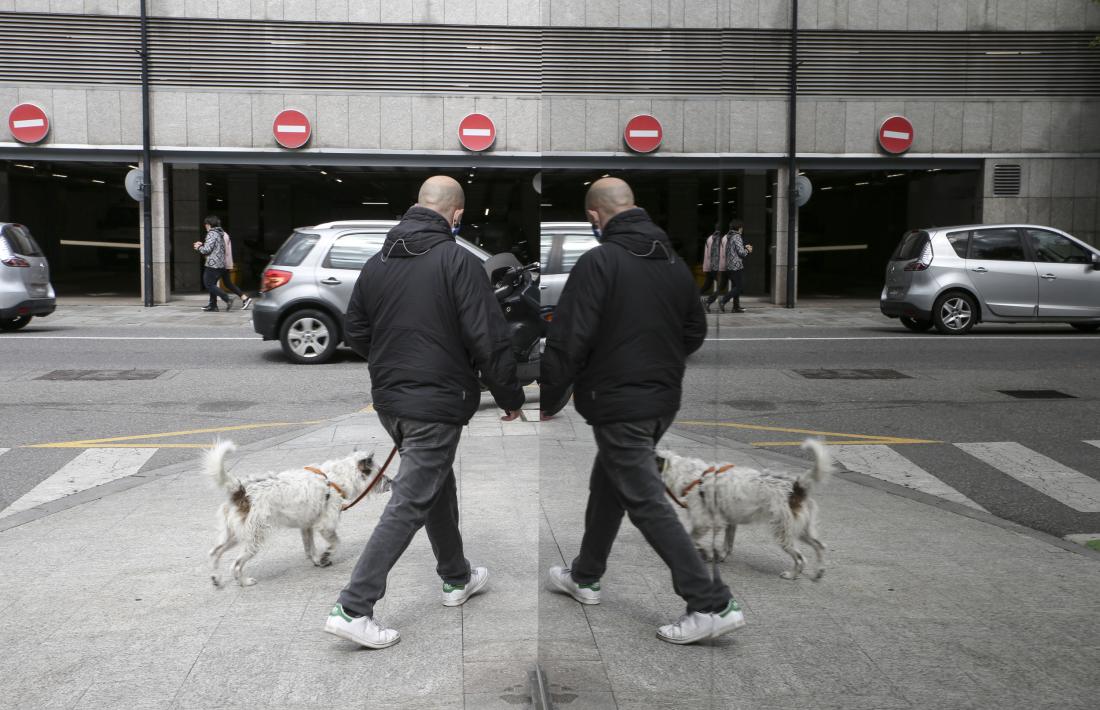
(334, 486)
(696, 482)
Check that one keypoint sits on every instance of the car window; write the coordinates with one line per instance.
(573, 245)
(545, 242)
(20, 241)
(351, 251)
(959, 242)
(1054, 248)
(294, 250)
(910, 246)
(996, 245)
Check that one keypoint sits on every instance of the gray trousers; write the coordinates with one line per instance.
(625, 480)
(423, 495)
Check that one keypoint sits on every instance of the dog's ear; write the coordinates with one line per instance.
(366, 465)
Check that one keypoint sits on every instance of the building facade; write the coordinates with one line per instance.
(1003, 97)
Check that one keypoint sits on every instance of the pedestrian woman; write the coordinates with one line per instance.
(712, 266)
(227, 278)
(733, 268)
(213, 248)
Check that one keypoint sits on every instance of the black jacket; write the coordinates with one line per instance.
(627, 320)
(424, 316)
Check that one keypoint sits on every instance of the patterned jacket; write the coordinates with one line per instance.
(214, 249)
(734, 248)
(712, 252)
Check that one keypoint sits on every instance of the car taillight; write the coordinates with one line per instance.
(15, 261)
(922, 262)
(274, 278)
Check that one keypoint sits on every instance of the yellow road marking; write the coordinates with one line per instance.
(848, 438)
(92, 443)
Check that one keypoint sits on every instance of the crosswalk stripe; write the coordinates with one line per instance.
(1094, 442)
(888, 465)
(92, 467)
(1044, 474)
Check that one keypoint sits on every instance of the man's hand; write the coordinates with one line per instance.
(196, 245)
(510, 415)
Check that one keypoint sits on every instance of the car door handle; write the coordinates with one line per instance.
(543, 288)
(1048, 277)
(331, 281)
(980, 269)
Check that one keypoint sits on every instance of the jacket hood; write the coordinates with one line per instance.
(417, 232)
(635, 231)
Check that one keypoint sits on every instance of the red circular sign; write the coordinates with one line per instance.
(895, 135)
(643, 134)
(28, 123)
(476, 132)
(291, 129)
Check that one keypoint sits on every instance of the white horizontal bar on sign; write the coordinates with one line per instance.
(1062, 483)
(28, 123)
(290, 129)
(895, 134)
(117, 245)
(840, 247)
(882, 462)
(644, 134)
(476, 132)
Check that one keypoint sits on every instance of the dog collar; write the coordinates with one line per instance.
(334, 486)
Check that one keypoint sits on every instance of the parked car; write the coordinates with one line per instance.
(306, 288)
(25, 289)
(954, 277)
(561, 244)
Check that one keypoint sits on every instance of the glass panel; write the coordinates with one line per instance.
(351, 251)
(20, 240)
(910, 246)
(294, 250)
(572, 246)
(959, 241)
(1056, 249)
(997, 245)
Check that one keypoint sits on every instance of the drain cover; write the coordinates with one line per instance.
(102, 375)
(852, 375)
(1037, 394)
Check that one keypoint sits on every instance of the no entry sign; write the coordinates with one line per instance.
(28, 123)
(291, 129)
(643, 134)
(895, 135)
(476, 132)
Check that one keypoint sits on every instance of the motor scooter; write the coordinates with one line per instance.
(517, 291)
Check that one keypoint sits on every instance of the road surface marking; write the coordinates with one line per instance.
(1094, 442)
(27, 336)
(89, 469)
(926, 338)
(89, 443)
(884, 463)
(1044, 474)
(809, 432)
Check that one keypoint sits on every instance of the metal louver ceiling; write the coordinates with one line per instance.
(247, 54)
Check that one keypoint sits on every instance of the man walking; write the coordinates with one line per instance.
(628, 318)
(424, 316)
(733, 267)
(213, 250)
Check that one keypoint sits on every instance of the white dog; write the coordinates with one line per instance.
(719, 498)
(310, 498)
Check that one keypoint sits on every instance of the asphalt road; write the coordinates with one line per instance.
(749, 383)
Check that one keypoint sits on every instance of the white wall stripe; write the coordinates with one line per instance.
(93, 467)
(884, 463)
(1044, 474)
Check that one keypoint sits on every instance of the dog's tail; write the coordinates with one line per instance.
(213, 465)
(823, 464)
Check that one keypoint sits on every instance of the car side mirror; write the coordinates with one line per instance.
(1095, 259)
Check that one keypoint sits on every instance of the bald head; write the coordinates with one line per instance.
(444, 195)
(606, 198)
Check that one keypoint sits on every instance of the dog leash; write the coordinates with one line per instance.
(377, 478)
(696, 482)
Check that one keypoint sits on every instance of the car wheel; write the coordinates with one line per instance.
(954, 313)
(1086, 327)
(915, 324)
(15, 323)
(309, 337)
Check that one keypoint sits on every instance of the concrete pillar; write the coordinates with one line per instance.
(161, 286)
(188, 197)
(244, 226)
(779, 289)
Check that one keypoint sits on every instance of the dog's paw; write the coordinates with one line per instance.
(788, 575)
(217, 582)
(722, 557)
(819, 575)
(326, 561)
(247, 581)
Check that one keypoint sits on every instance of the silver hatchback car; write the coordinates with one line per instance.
(951, 278)
(561, 244)
(306, 288)
(25, 289)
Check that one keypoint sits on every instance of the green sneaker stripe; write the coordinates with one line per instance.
(595, 586)
(448, 588)
(338, 610)
(732, 606)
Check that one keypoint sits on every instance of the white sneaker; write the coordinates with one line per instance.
(457, 594)
(562, 581)
(363, 630)
(696, 626)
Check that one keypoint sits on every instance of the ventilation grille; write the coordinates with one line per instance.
(1006, 180)
(252, 54)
